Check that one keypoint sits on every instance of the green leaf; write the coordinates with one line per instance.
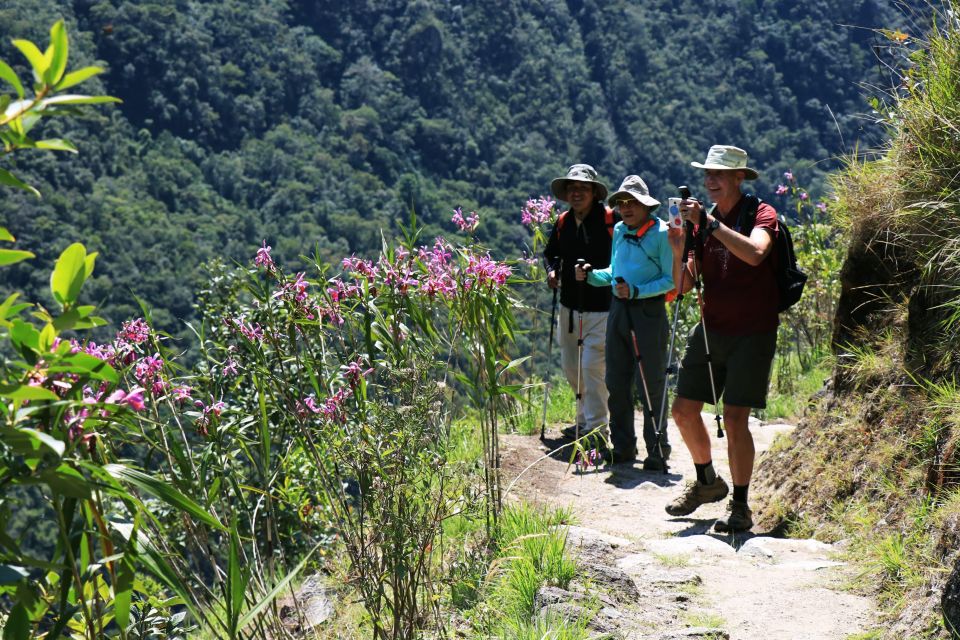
(47, 336)
(123, 590)
(18, 625)
(6, 235)
(68, 274)
(66, 481)
(70, 98)
(59, 43)
(8, 74)
(13, 256)
(160, 489)
(55, 144)
(76, 77)
(12, 574)
(26, 392)
(36, 59)
(236, 580)
(11, 180)
(31, 444)
(86, 364)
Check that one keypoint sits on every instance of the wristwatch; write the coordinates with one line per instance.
(711, 226)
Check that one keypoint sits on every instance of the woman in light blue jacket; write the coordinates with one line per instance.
(640, 274)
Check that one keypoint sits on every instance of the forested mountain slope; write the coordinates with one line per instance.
(317, 124)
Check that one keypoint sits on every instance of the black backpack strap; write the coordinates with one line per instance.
(748, 214)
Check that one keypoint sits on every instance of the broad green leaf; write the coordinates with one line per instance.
(13, 256)
(24, 334)
(55, 144)
(160, 489)
(76, 77)
(70, 98)
(123, 590)
(11, 180)
(280, 586)
(36, 59)
(57, 446)
(59, 46)
(86, 364)
(8, 74)
(18, 625)
(66, 481)
(68, 274)
(6, 235)
(12, 574)
(88, 264)
(236, 580)
(47, 336)
(26, 392)
(153, 560)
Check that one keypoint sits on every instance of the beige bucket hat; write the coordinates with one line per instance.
(578, 173)
(636, 188)
(725, 157)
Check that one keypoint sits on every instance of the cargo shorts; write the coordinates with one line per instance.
(741, 368)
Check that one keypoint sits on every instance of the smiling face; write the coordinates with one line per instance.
(580, 195)
(723, 186)
(633, 212)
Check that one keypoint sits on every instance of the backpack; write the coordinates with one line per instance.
(790, 279)
(607, 218)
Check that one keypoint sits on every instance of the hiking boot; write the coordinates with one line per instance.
(654, 463)
(738, 518)
(696, 494)
(570, 432)
(621, 456)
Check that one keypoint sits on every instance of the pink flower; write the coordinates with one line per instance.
(782, 189)
(822, 206)
(181, 394)
(804, 195)
(134, 331)
(788, 175)
(538, 211)
(263, 258)
(229, 368)
(465, 224)
(132, 398)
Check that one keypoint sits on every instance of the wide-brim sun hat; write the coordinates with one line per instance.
(635, 187)
(578, 173)
(727, 158)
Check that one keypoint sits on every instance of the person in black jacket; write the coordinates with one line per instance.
(584, 232)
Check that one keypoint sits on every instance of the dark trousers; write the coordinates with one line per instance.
(648, 318)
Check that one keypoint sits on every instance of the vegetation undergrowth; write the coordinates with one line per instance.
(876, 462)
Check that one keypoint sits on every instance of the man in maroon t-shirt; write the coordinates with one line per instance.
(740, 322)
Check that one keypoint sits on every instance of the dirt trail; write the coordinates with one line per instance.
(748, 586)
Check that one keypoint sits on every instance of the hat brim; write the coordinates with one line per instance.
(650, 201)
(559, 188)
(749, 174)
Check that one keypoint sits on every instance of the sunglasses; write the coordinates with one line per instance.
(624, 201)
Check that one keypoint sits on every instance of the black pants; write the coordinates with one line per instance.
(648, 317)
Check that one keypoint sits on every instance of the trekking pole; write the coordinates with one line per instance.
(546, 387)
(703, 326)
(643, 379)
(671, 365)
(580, 287)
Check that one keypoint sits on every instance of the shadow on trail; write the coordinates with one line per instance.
(623, 476)
(704, 527)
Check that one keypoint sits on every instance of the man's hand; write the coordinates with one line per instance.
(552, 281)
(690, 210)
(581, 270)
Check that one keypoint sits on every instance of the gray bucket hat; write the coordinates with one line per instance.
(578, 173)
(725, 157)
(636, 188)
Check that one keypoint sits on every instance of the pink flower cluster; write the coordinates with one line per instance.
(782, 189)
(439, 280)
(263, 259)
(591, 457)
(207, 414)
(465, 224)
(481, 271)
(537, 211)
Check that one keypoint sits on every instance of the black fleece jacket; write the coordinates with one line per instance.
(591, 241)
